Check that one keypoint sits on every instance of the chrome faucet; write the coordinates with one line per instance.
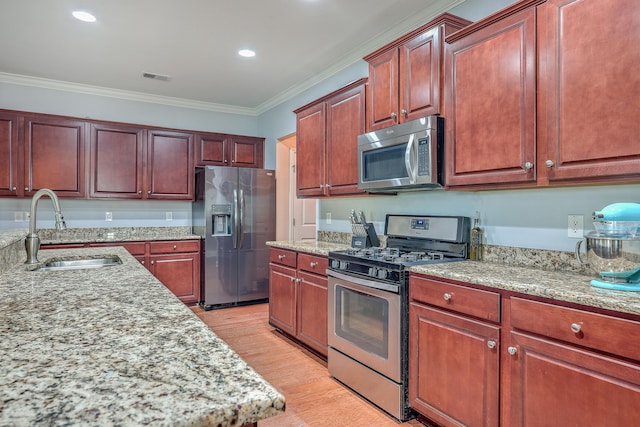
(32, 242)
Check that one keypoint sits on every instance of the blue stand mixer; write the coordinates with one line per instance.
(613, 249)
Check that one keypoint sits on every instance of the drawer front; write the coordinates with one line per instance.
(313, 263)
(134, 248)
(177, 246)
(283, 256)
(597, 331)
(474, 302)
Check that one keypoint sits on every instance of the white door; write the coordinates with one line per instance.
(303, 211)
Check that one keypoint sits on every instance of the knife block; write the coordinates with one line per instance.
(364, 236)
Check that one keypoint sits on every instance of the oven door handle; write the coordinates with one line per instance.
(366, 283)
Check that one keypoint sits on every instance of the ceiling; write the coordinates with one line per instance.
(195, 43)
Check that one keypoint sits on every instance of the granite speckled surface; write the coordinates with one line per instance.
(115, 347)
(556, 285)
(315, 247)
(116, 234)
(12, 248)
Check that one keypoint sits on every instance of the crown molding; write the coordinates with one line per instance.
(411, 23)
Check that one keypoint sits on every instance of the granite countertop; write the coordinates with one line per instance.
(115, 347)
(116, 234)
(556, 285)
(311, 246)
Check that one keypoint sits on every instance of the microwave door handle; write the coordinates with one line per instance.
(408, 157)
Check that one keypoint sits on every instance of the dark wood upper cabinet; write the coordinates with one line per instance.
(9, 155)
(54, 155)
(117, 154)
(327, 132)
(170, 166)
(405, 76)
(589, 95)
(217, 149)
(541, 93)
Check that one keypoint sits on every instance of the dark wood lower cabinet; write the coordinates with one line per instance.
(298, 297)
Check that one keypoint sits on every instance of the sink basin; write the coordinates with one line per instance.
(80, 263)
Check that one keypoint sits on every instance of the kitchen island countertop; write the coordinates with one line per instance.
(114, 346)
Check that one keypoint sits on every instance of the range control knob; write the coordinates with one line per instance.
(373, 271)
(382, 273)
(335, 263)
(343, 265)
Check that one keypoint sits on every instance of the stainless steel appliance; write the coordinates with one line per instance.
(368, 305)
(234, 212)
(408, 156)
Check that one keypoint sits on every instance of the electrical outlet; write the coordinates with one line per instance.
(27, 216)
(328, 217)
(108, 216)
(17, 216)
(576, 226)
(169, 216)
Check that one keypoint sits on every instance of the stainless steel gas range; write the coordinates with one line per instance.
(368, 305)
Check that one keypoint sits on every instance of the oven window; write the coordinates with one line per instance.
(384, 163)
(363, 320)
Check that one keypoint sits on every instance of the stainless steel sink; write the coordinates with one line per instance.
(79, 263)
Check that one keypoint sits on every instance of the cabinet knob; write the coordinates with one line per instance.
(576, 327)
(491, 344)
(312, 264)
(14, 188)
(139, 191)
(528, 165)
(142, 262)
(26, 188)
(549, 163)
(225, 160)
(447, 296)
(298, 280)
(394, 115)
(148, 191)
(404, 112)
(175, 247)
(153, 262)
(233, 161)
(512, 350)
(281, 257)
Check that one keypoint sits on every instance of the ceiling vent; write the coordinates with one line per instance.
(156, 77)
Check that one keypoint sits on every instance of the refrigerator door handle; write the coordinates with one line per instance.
(241, 219)
(236, 219)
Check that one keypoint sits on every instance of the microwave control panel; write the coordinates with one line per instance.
(424, 157)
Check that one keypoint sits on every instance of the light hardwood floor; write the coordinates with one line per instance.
(313, 398)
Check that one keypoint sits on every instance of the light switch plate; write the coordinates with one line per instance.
(169, 216)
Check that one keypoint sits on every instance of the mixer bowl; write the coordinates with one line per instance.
(615, 259)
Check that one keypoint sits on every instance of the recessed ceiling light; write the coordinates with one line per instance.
(83, 16)
(247, 53)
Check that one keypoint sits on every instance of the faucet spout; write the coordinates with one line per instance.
(32, 241)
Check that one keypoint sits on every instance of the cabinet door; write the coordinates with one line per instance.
(9, 152)
(490, 104)
(180, 273)
(246, 151)
(116, 161)
(54, 155)
(170, 170)
(453, 368)
(312, 311)
(310, 151)
(282, 298)
(420, 60)
(558, 385)
(212, 149)
(382, 93)
(345, 121)
(589, 113)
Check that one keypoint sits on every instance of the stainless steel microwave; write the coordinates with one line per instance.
(407, 156)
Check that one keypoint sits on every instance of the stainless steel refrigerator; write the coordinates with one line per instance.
(235, 213)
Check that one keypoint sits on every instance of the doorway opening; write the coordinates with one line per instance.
(295, 218)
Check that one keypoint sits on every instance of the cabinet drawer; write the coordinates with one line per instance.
(176, 246)
(313, 263)
(474, 302)
(598, 331)
(283, 256)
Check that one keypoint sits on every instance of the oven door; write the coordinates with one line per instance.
(364, 322)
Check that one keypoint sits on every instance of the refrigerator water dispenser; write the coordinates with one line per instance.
(221, 220)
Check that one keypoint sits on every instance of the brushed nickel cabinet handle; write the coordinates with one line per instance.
(528, 165)
(512, 350)
(281, 257)
(491, 344)
(576, 327)
(549, 163)
(447, 296)
(312, 264)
